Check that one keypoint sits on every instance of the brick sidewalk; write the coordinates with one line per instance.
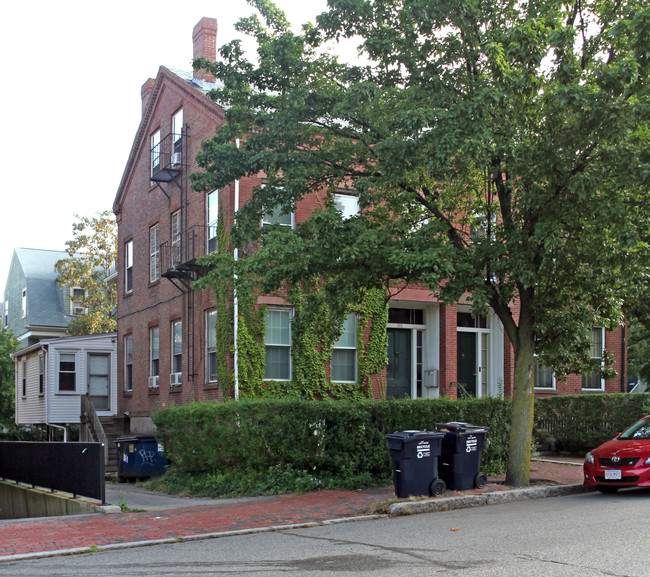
(32, 536)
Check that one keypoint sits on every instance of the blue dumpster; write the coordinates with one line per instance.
(140, 458)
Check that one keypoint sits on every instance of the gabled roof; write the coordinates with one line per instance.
(39, 263)
(180, 80)
(45, 297)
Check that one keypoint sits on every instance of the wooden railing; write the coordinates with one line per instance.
(91, 426)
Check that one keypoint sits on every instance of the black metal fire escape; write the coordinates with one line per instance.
(178, 256)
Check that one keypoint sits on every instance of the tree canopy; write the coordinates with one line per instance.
(8, 345)
(497, 148)
(92, 254)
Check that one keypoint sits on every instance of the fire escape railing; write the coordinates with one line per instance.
(167, 158)
(178, 256)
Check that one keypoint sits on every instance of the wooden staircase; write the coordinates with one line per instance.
(105, 430)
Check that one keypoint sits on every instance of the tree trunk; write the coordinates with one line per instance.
(521, 429)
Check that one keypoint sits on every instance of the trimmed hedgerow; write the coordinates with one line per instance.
(273, 446)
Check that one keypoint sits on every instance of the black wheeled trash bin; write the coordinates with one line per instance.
(140, 458)
(415, 462)
(461, 455)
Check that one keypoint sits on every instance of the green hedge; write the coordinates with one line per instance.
(279, 445)
(578, 423)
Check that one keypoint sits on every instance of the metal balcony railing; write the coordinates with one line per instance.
(179, 255)
(167, 158)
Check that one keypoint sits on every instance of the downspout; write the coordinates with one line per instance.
(45, 392)
(235, 299)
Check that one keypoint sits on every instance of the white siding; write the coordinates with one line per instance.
(30, 409)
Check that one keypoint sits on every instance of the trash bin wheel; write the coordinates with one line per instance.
(438, 487)
(480, 480)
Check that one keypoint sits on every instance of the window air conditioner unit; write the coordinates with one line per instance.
(153, 382)
(176, 379)
(78, 310)
(176, 160)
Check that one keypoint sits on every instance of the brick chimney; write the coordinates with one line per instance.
(145, 92)
(205, 45)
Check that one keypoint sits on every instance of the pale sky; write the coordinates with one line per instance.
(71, 77)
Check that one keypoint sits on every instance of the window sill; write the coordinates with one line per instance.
(175, 388)
(127, 393)
(154, 390)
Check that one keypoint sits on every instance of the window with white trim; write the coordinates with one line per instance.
(177, 347)
(276, 216)
(154, 356)
(67, 372)
(211, 346)
(544, 376)
(176, 237)
(177, 132)
(343, 366)
(41, 374)
(128, 267)
(24, 302)
(212, 215)
(5, 314)
(154, 254)
(77, 297)
(155, 153)
(346, 204)
(128, 362)
(23, 366)
(278, 344)
(593, 380)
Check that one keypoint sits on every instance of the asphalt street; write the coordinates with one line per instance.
(586, 535)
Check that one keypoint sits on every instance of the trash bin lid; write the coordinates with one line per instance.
(458, 427)
(126, 439)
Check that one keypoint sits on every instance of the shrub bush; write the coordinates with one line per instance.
(273, 446)
(578, 423)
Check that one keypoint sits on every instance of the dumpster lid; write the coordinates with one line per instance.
(135, 439)
(406, 434)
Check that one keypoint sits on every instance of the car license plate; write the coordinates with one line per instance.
(613, 475)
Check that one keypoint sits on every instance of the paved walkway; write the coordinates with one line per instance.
(41, 537)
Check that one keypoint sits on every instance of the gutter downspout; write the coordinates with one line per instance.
(235, 299)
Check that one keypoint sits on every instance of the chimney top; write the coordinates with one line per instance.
(204, 38)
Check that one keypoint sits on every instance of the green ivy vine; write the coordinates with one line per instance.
(314, 329)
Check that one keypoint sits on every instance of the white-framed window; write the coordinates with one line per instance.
(128, 267)
(177, 347)
(5, 315)
(128, 362)
(23, 371)
(177, 136)
(275, 216)
(24, 302)
(346, 204)
(212, 217)
(77, 297)
(154, 356)
(176, 237)
(544, 376)
(211, 346)
(343, 367)
(67, 372)
(593, 381)
(41, 374)
(154, 254)
(155, 153)
(278, 344)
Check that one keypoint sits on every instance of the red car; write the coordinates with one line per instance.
(622, 462)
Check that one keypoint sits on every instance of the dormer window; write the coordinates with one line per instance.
(77, 297)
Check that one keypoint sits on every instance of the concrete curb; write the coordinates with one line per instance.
(466, 501)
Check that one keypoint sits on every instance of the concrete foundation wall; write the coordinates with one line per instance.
(21, 502)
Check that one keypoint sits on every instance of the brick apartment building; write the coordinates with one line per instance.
(166, 328)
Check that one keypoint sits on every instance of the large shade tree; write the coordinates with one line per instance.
(92, 253)
(497, 148)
